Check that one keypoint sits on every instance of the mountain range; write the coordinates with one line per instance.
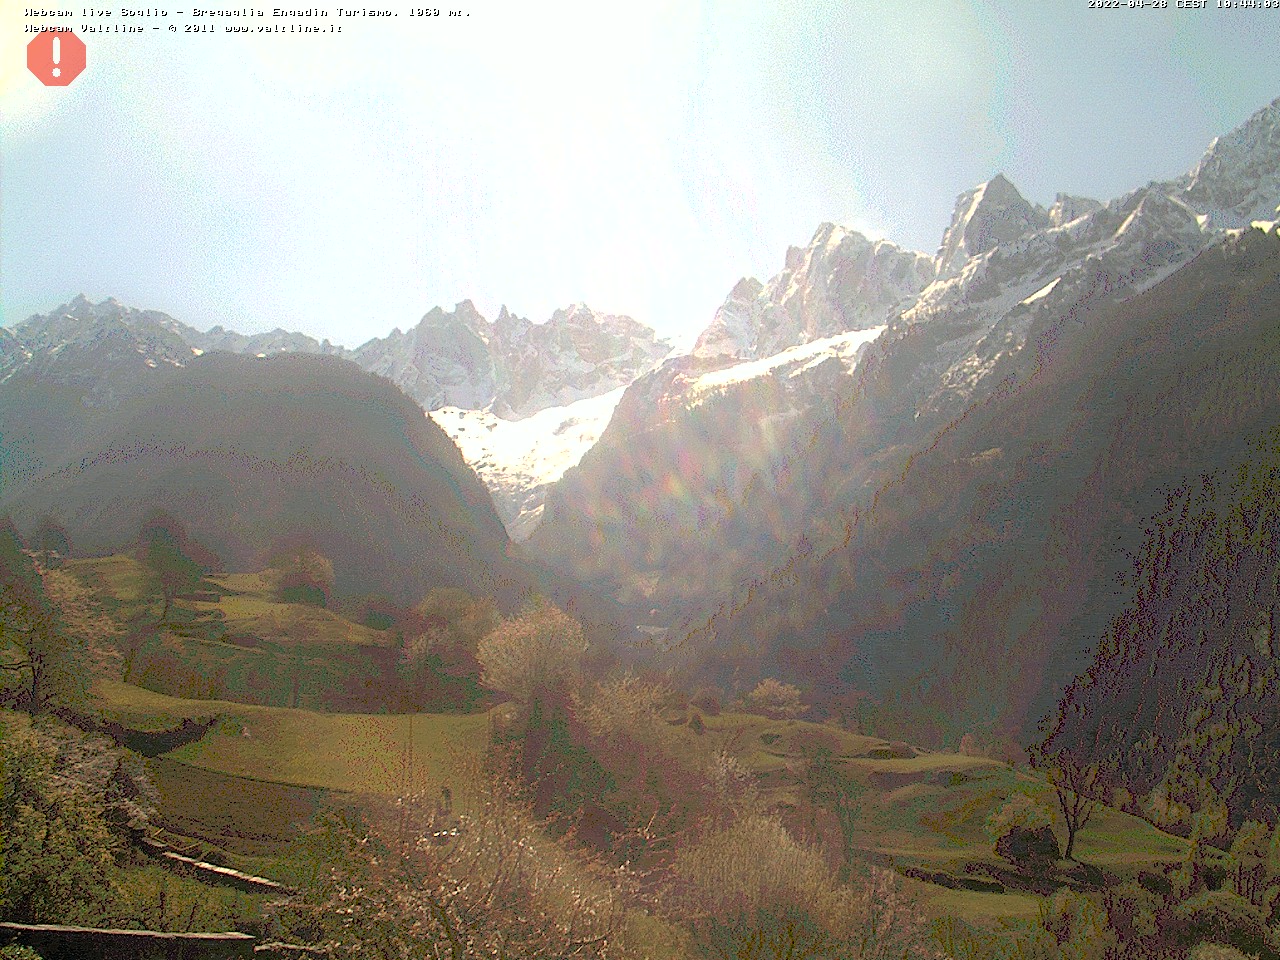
(476, 377)
(843, 522)
(894, 478)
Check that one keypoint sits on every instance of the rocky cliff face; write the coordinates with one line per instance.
(443, 361)
(1237, 180)
(513, 366)
(989, 215)
(839, 283)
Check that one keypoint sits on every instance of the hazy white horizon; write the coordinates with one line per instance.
(541, 155)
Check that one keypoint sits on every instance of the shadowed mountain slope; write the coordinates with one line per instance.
(979, 577)
(249, 450)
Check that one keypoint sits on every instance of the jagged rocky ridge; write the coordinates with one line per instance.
(839, 283)
(475, 376)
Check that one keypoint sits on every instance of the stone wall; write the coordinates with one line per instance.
(84, 943)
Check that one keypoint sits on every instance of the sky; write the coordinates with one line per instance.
(639, 157)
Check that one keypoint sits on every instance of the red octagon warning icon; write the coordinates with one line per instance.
(56, 57)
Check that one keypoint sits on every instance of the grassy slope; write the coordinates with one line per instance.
(261, 768)
(361, 753)
(246, 605)
(244, 645)
(254, 782)
(929, 810)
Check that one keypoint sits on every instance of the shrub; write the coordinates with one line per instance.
(1028, 849)
(751, 865)
(1079, 924)
(733, 786)
(706, 700)
(1222, 916)
(1216, 951)
(301, 574)
(399, 885)
(1020, 810)
(152, 898)
(624, 705)
(55, 845)
(775, 699)
(1133, 911)
(751, 890)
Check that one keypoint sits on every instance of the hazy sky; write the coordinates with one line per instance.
(639, 157)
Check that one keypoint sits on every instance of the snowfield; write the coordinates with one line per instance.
(517, 459)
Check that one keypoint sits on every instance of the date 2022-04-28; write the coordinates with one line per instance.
(1184, 4)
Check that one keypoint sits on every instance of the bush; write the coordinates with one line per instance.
(706, 700)
(55, 844)
(1079, 924)
(1216, 951)
(1035, 850)
(1134, 911)
(623, 705)
(152, 898)
(493, 885)
(775, 699)
(301, 574)
(1221, 916)
(748, 866)
(751, 890)
(1020, 810)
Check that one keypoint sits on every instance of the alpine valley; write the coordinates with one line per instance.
(816, 583)
(879, 472)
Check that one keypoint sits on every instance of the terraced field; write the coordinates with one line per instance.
(259, 774)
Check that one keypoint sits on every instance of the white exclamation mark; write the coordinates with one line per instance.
(57, 56)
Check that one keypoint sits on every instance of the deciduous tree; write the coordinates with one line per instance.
(1078, 783)
(776, 699)
(300, 573)
(42, 647)
(52, 542)
(177, 564)
(535, 656)
(54, 838)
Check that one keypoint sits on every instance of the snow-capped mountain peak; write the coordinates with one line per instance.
(990, 214)
(510, 370)
(840, 282)
(1238, 178)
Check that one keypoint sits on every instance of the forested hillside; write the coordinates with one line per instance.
(1182, 700)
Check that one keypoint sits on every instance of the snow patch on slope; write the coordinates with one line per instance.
(1042, 292)
(793, 361)
(518, 459)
